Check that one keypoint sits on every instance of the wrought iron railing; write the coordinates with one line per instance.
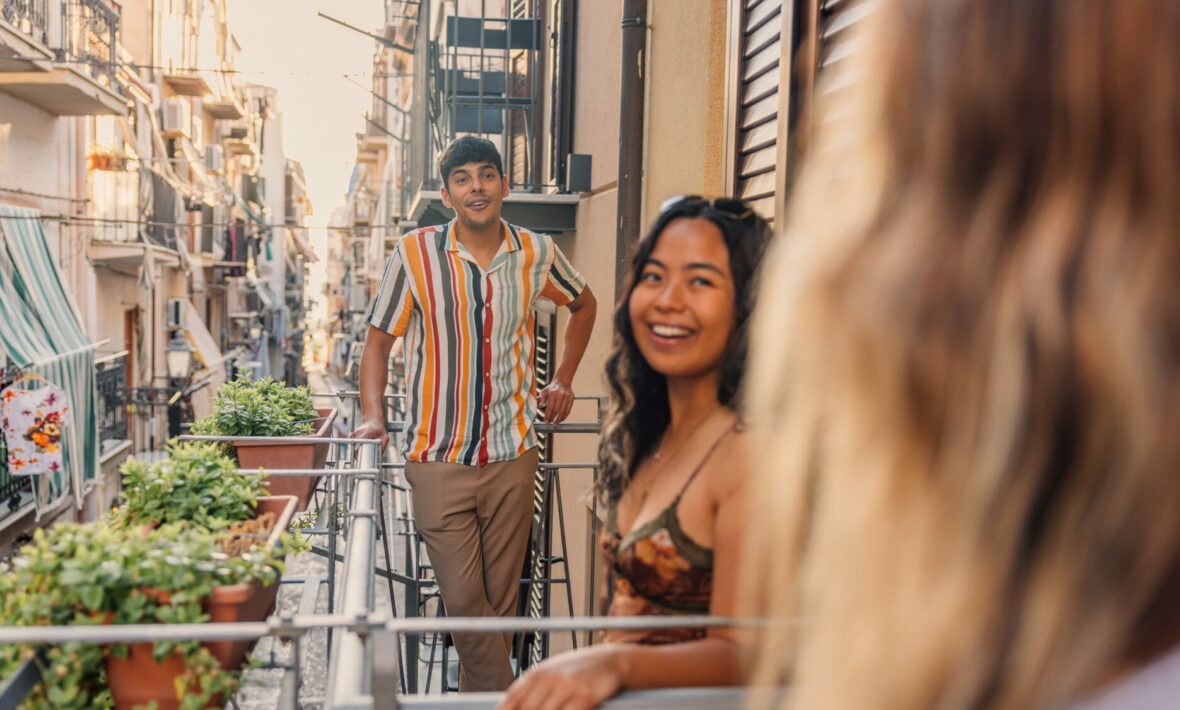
(28, 16)
(110, 378)
(12, 488)
(90, 33)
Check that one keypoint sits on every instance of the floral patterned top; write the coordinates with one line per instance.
(32, 422)
(659, 570)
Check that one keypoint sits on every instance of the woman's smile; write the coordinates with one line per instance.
(682, 306)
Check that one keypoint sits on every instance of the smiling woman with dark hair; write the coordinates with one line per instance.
(672, 459)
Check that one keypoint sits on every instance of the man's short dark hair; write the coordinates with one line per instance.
(468, 149)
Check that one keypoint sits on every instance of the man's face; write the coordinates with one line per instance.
(476, 192)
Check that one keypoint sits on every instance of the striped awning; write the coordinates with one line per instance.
(44, 334)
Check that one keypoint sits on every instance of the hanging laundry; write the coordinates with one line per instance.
(32, 421)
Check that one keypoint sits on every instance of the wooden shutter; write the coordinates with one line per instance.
(837, 45)
(778, 48)
(758, 81)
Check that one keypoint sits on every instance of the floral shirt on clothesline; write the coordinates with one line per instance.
(32, 421)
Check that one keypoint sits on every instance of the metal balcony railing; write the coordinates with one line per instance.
(90, 33)
(110, 378)
(28, 16)
(13, 489)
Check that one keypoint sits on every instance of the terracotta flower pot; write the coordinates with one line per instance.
(247, 602)
(139, 679)
(253, 454)
(283, 507)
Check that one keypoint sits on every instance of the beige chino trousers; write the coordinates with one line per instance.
(475, 523)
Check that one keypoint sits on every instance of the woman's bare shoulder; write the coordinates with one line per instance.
(729, 468)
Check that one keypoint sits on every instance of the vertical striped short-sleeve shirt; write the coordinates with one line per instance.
(469, 339)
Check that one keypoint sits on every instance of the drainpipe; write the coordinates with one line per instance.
(631, 94)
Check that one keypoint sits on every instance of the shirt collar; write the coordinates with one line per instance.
(511, 239)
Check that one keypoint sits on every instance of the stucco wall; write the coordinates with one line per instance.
(34, 150)
(685, 112)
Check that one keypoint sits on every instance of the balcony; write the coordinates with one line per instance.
(110, 381)
(483, 75)
(188, 83)
(224, 109)
(375, 138)
(81, 79)
(24, 36)
(239, 142)
(550, 213)
(16, 492)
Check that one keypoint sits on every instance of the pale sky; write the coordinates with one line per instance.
(287, 45)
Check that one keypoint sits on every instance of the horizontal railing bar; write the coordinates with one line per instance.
(353, 393)
(295, 625)
(280, 472)
(282, 439)
(568, 428)
(679, 698)
(108, 358)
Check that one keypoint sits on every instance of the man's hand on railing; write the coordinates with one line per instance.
(557, 400)
(570, 681)
(372, 430)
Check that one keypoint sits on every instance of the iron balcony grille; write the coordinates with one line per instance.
(110, 378)
(90, 32)
(28, 16)
(12, 488)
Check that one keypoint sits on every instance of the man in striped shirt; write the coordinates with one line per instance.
(462, 297)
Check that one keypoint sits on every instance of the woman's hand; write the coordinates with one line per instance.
(571, 681)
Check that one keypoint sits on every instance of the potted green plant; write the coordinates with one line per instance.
(98, 573)
(200, 484)
(197, 483)
(268, 408)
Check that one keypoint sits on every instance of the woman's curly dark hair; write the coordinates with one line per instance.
(639, 395)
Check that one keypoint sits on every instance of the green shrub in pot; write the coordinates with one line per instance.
(197, 483)
(262, 408)
(97, 573)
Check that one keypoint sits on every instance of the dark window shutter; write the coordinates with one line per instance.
(760, 76)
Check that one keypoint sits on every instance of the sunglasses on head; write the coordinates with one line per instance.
(728, 206)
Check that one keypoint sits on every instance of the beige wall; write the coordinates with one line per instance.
(135, 23)
(685, 111)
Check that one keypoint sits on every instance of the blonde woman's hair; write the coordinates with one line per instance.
(966, 362)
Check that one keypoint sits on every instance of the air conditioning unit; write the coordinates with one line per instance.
(213, 158)
(175, 313)
(175, 117)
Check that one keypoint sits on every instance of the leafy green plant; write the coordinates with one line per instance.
(97, 573)
(262, 408)
(197, 483)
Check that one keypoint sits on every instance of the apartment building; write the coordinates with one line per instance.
(158, 185)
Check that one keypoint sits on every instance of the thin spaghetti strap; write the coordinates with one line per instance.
(704, 460)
